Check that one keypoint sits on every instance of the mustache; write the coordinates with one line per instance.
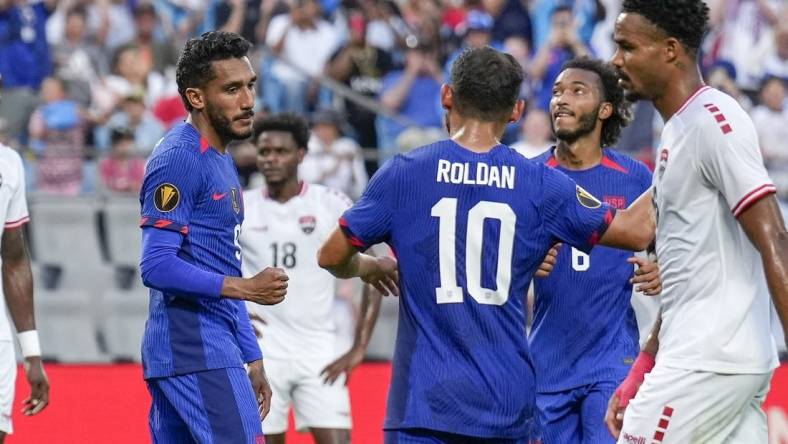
(246, 115)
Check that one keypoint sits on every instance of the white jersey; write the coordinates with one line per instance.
(288, 235)
(715, 302)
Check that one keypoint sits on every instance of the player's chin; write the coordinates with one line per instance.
(242, 131)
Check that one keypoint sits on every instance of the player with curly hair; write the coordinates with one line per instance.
(585, 336)
(721, 243)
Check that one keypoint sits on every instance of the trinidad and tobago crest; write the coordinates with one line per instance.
(307, 224)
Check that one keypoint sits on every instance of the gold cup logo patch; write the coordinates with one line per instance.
(586, 199)
(166, 197)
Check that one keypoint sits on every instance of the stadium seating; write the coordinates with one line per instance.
(66, 322)
(123, 322)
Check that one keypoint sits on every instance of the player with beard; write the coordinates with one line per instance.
(585, 335)
(721, 242)
(198, 335)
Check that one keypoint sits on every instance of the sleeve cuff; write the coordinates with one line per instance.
(354, 240)
(17, 223)
(597, 234)
(752, 197)
(164, 224)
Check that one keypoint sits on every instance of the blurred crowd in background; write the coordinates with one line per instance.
(89, 85)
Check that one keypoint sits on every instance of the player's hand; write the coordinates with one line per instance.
(384, 276)
(39, 387)
(257, 319)
(614, 417)
(548, 263)
(267, 287)
(262, 389)
(646, 279)
(344, 364)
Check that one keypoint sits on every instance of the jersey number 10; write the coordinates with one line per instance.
(449, 292)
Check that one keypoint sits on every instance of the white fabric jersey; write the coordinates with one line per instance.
(288, 235)
(715, 303)
(13, 211)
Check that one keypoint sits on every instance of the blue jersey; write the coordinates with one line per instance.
(194, 190)
(469, 230)
(584, 327)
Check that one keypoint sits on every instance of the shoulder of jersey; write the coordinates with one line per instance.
(9, 154)
(542, 158)
(321, 191)
(181, 136)
(628, 162)
(716, 111)
(252, 195)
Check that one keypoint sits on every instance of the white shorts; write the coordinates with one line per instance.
(316, 404)
(688, 406)
(7, 382)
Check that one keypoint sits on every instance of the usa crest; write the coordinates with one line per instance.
(166, 197)
(307, 224)
(236, 200)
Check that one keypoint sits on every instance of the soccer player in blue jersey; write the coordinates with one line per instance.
(584, 336)
(198, 335)
(470, 221)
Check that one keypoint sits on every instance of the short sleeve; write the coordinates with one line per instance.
(368, 222)
(170, 190)
(731, 162)
(571, 213)
(17, 214)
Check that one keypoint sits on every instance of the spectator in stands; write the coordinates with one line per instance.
(775, 60)
(117, 23)
(133, 115)
(57, 135)
(722, 75)
(303, 42)
(78, 60)
(411, 93)
(511, 19)
(536, 135)
(24, 58)
(584, 15)
(238, 16)
(122, 171)
(361, 67)
(771, 122)
(477, 32)
(386, 29)
(563, 44)
(156, 51)
(332, 159)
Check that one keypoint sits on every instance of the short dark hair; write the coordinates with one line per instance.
(685, 20)
(486, 83)
(291, 123)
(194, 68)
(610, 91)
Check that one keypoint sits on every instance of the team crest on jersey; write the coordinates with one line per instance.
(166, 197)
(586, 199)
(236, 200)
(307, 224)
(663, 161)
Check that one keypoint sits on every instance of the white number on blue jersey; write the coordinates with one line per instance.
(580, 260)
(449, 291)
(236, 233)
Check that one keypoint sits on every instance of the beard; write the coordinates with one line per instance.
(586, 125)
(224, 126)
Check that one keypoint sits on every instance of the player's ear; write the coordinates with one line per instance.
(195, 97)
(672, 50)
(301, 152)
(447, 96)
(517, 111)
(605, 111)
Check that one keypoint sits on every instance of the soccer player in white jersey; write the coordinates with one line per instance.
(286, 223)
(721, 244)
(18, 291)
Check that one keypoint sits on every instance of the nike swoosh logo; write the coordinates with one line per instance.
(218, 196)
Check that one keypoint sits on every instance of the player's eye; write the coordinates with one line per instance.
(232, 89)
(556, 93)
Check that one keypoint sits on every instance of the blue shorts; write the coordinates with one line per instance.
(213, 406)
(425, 436)
(576, 416)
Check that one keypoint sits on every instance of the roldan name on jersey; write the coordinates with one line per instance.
(460, 173)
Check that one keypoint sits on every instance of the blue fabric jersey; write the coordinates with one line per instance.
(584, 327)
(192, 189)
(469, 230)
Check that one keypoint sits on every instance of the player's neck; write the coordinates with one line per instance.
(283, 191)
(581, 154)
(207, 131)
(476, 135)
(677, 92)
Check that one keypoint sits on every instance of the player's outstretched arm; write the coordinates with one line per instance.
(18, 290)
(370, 307)
(633, 228)
(614, 417)
(765, 227)
(340, 258)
